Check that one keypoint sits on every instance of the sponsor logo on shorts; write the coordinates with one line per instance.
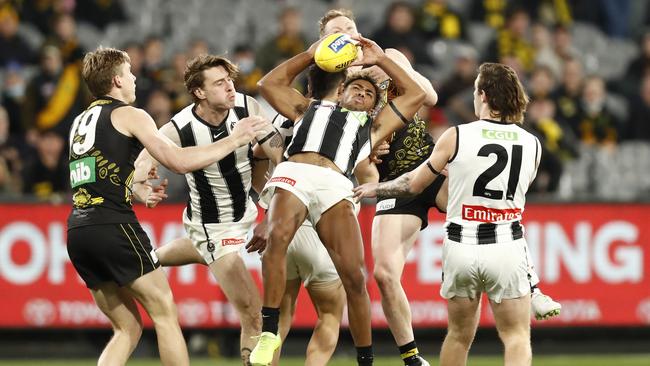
(153, 255)
(82, 171)
(487, 214)
(500, 135)
(384, 205)
(286, 180)
(210, 246)
(232, 241)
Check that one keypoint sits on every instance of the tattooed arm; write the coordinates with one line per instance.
(415, 181)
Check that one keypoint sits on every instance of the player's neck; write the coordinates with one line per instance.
(115, 94)
(487, 114)
(212, 116)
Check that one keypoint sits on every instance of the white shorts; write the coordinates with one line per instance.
(213, 241)
(500, 270)
(318, 188)
(308, 259)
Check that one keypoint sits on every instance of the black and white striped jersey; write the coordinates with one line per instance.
(220, 192)
(489, 175)
(341, 135)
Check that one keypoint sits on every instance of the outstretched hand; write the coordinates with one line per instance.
(157, 194)
(370, 53)
(368, 190)
(258, 242)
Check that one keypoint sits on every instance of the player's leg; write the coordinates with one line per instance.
(153, 292)
(237, 284)
(329, 300)
(178, 252)
(463, 316)
(120, 308)
(285, 215)
(287, 309)
(339, 231)
(542, 306)
(512, 318)
(393, 237)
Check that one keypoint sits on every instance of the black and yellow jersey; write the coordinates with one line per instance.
(409, 147)
(101, 167)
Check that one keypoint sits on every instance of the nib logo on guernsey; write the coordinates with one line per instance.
(500, 135)
(82, 171)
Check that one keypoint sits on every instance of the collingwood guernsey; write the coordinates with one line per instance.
(220, 192)
(341, 135)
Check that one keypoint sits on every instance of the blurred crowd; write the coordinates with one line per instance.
(576, 104)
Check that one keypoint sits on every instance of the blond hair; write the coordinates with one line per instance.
(331, 14)
(99, 68)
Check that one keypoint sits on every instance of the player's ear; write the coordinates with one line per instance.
(117, 81)
(199, 93)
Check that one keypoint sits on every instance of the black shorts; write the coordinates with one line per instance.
(417, 206)
(118, 253)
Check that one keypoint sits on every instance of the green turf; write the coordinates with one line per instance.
(566, 360)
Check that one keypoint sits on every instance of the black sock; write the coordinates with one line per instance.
(533, 288)
(270, 319)
(409, 353)
(364, 356)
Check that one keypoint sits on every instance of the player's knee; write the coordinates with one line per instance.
(131, 329)
(354, 282)
(384, 276)
(463, 336)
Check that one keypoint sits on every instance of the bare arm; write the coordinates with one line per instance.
(415, 181)
(431, 95)
(406, 104)
(270, 141)
(366, 172)
(276, 88)
(136, 122)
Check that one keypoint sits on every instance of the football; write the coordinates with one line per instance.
(335, 52)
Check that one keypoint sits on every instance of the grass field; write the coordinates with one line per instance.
(566, 360)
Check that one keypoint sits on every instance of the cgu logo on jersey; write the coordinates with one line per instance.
(82, 171)
(339, 43)
(500, 135)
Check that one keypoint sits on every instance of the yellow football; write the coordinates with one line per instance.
(335, 52)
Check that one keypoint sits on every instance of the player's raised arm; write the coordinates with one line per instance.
(138, 123)
(401, 109)
(276, 88)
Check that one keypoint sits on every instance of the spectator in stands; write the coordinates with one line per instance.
(10, 159)
(492, 13)
(558, 144)
(399, 32)
(159, 106)
(249, 72)
(198, 47)
(438, 21)
(47, 174)
(512, 41)
(288, 42)
(463, 76)
(65, 38)
(55, 95)
(567, 97)
(145, 84)
(14, 49)
(544, 49)
(638, 126)
(596, 124)
(153, 57)
(542, 83)
(564, 47)
(638, 68)
(13, 95)
(173, 83)
(41, 13)
(100, 13)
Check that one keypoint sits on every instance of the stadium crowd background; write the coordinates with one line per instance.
(585, 63)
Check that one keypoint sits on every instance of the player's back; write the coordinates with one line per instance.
(101, 167)
(489, 176)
